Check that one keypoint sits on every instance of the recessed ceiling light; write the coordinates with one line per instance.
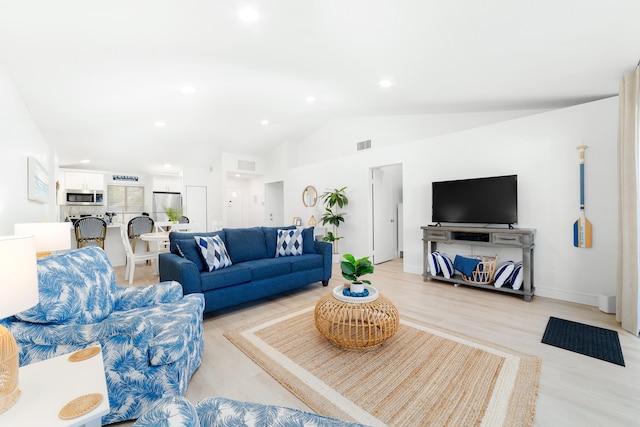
(167, 165)
(85, 161)
(160, 124)
(238, 175)
(187, 89)
(248, 14)
(310, 99)
(385, 83)
(264, 122)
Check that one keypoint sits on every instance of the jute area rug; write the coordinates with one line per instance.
(422, 376)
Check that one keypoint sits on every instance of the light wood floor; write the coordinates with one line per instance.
(575, 390)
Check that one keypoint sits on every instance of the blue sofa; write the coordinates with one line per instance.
(255, 271)
(151, 336)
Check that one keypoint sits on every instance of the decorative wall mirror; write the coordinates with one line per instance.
(309, 196)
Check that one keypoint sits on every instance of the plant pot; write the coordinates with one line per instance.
(356, 287)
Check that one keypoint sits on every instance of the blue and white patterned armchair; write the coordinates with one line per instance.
(151, 337)
(222, 412)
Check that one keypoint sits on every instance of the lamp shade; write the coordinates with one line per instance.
(18, 292)
(18, 274)
(50, 236)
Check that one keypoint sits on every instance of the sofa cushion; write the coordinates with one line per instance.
(245, 244)
(213, 252)
(289, 242)
(190, 250)
(76, 287)
(308, 241)
(178, 235)
(234, 275)
(269, 267)
(184, 245)
(271, 237)
(305, 262)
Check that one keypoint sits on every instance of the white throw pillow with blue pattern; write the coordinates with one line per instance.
(289, 242)
(446, 265)
(214, 252)
(434, 267)
(503, 275)
(516, 277)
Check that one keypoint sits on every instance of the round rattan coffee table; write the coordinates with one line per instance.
(356, 325)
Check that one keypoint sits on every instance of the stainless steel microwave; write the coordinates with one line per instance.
(84, 198)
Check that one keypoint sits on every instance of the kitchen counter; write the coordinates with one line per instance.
(112, 245)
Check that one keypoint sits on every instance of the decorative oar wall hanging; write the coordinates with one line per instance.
(582, 227)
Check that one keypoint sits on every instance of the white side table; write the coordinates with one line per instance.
(49, 385)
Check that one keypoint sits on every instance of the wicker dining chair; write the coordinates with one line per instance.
(137, 226)
(90, 229)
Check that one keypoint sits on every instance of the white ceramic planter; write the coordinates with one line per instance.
(356, 287)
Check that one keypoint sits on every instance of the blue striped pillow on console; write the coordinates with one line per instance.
(434, 266)
(503, 275)
(517, 276)
(446, 265)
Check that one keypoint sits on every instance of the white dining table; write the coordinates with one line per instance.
(160, 239)
(157, 236)
(168, 225)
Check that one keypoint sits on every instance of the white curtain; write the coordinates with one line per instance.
(627, 311)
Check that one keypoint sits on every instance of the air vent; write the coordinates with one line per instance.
(245, 165)
(364, 145)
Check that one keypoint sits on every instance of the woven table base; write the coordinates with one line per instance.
(356, 325)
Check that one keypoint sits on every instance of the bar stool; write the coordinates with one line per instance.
(137, 226)
(90, 230)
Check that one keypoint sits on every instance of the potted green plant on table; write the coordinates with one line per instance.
(353, 269)
(173, 214)
(333, 200)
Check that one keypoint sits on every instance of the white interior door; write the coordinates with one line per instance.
(196, 206)
(386, 190)
(234, 208)
(384, 247)
(274, 203)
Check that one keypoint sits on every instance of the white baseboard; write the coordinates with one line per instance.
(415, 269)
(570, 296)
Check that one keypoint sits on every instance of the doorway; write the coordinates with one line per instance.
(196, 206)
(386, 196)
(234, 213)
(274, 203)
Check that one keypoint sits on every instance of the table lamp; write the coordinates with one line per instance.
(18, 292)
(50, 236)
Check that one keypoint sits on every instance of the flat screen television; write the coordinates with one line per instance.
(491, 200)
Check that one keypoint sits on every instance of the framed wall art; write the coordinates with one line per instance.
(37, 181)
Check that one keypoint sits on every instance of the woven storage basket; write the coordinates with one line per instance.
(484, 272)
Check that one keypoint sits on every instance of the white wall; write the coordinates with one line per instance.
(540, 149)
(20, 138)
(340, 136)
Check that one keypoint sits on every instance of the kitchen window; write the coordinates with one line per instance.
(125, 198)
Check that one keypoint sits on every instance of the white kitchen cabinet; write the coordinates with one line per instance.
(83, 181)
(167, 183)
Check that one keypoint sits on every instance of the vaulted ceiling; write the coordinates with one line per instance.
(98, 76)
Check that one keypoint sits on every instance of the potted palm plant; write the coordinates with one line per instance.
(333, 200)
(353, 268)
(173, 214)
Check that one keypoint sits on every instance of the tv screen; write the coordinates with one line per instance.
(491, 200)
